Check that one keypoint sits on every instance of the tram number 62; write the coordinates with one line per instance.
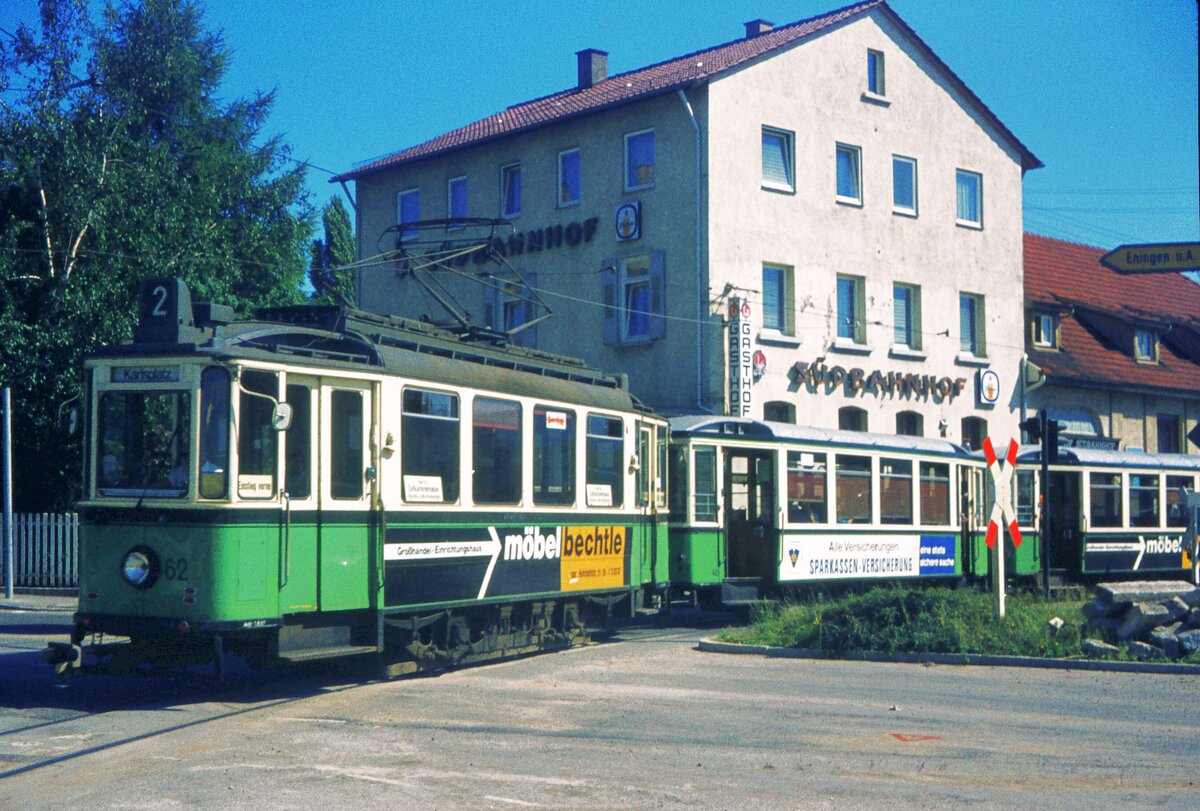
(175, 568)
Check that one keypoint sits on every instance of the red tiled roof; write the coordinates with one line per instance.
(1069, 277)
(659, 78)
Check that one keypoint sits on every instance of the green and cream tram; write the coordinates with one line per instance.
(316, 482)
(761, 507)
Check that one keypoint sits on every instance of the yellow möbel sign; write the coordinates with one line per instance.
(593, 557)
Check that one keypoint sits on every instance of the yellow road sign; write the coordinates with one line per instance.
(1155, 257)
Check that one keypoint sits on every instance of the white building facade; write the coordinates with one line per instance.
(817, 223)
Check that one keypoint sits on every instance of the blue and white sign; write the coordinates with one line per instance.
(938, 554)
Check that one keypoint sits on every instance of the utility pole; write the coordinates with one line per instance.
(6, 464)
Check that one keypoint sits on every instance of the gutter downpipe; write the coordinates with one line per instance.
(699, 267)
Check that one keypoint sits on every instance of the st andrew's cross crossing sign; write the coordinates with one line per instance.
(1002, 508)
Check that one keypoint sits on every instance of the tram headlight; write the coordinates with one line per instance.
(140, 567)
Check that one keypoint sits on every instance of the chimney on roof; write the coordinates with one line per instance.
(593, 67)
(756, 27)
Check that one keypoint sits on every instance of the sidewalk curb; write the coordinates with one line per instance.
(710, 645)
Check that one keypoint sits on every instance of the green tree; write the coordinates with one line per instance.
(118, 162)
(327, 270)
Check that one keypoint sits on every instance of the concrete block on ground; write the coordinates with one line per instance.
(1141, 617)
(1189, 641)
(1143, 650)
(1101, 609)
(1192, 598)
(1194, 617)
(1106, 623)
(1163, 638)
(1177, 607)
(1142, 591)
(1095, 647)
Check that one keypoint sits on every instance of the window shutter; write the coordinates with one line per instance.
(658, 306)
(612, 315)
(775, 159)
(900, 336)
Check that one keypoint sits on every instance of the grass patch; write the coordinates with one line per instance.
(896, 619)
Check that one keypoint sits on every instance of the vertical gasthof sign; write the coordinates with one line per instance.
(741, 363)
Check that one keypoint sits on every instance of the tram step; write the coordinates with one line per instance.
(309, 654)
(741, 590)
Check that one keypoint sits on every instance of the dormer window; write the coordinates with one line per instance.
(1044, 327)
(1145, 346)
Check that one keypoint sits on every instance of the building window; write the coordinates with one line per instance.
(904, 185)
(568, 178)
(852, 418)
(510, 190)
(639, 160)
(509, 307)
(408, 209)
(974, 429)
(850, 309)
(777, 163)
(1170, 438)
(633, 300)
(777, 299)
(906, 314)
(779, 411)
(849, 176)
(910, 423)
(1145, 346)
(1044, 330)
(970, 325)
(969, 187)
(456, 197)
(875, 77)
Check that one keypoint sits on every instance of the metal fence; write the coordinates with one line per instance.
(45, 550)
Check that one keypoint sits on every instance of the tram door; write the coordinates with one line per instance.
(299, 500)
(751, 531)
(1065, 531)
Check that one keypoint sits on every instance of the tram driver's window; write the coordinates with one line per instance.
(429, 442)
(705, 493)
(214, 432)
(605, 462)
(1106, 499)
(553, 456)
(497, 451)
(1143, 500)
(807, 480)
(935, 494)
(895, 491)
(853, 488)
(297, 471)
(346, 444)
(257, 438)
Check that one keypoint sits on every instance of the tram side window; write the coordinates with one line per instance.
(935, 494)
(346, 444)
(643, 471)
(706, 484)
(1143, 500)
(553, 456)
(1176, 511)
(605, 453)
(297, 471)
(214, 432)
(660, 469)
(895, 491)
(429, 446)
(853, 489)
(257, 448)
(1106, 499)
(497, 451)
(1026, 498)
(807, 482)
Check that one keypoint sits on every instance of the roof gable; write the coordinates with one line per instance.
(689, 69)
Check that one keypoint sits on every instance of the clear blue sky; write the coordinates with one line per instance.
(1104, 92)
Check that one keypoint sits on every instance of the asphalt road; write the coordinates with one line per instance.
(640, 720)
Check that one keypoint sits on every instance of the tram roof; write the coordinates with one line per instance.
(1095, 457)
(743, 428)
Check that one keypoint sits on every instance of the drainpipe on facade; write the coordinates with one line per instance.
(699, 307)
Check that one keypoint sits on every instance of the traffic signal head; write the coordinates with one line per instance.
(1032, 429)
(1051, 445)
